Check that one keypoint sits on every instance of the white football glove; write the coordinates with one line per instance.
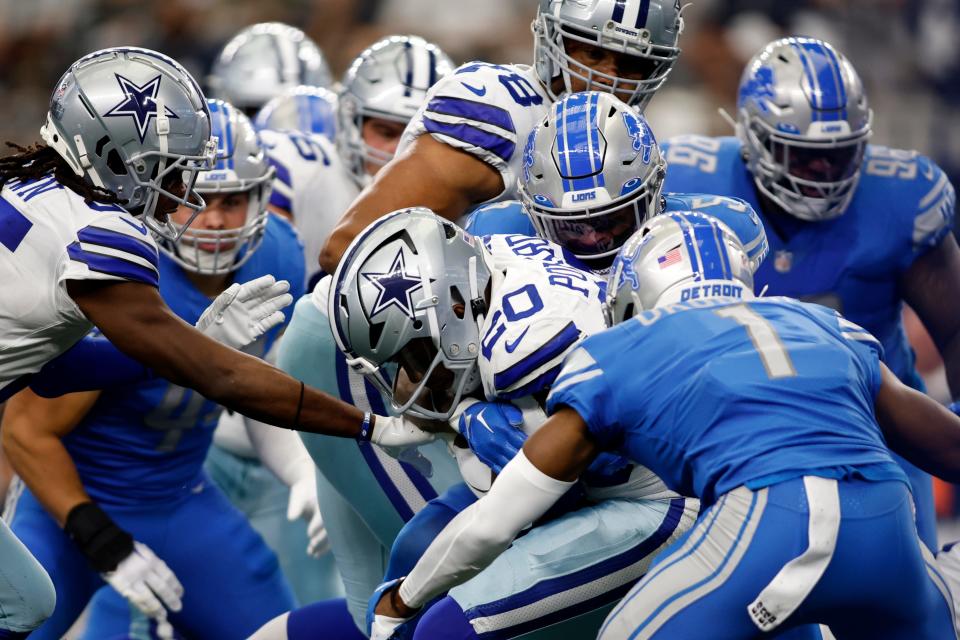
(244, 312)
(149, 584)
(395, 434)
(303, 503)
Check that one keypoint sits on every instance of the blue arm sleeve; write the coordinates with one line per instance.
(92, 363)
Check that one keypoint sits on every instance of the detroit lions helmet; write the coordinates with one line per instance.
(804, 121)
(647, 30)
(677, 257)
(241, 167)
(134, 122)
(390, 81)
(592, 173)
(410, 291)
(301, 108)
(261, 61)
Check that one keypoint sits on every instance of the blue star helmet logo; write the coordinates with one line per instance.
(395, 287)
(139, 102)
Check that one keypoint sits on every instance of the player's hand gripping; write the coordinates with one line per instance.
(148, 583)
(494, 430)
(387, 615)
(394, 434)
(244, 312)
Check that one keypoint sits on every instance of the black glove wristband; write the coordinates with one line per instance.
(99, 538)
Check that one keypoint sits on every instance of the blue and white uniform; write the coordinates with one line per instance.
(486, 110)
(312, 184)
(570, 569)
(765, 411)
(365, 496)
(903, 207)
(48, 237)
(140, 453)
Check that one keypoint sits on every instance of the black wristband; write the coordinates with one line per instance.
(100, 540)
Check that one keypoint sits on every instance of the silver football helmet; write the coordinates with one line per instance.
(301, 108)
(241, 167)
(390, 81)
(804, 121)
(262, 61)
(592, 173)
(134, 122)
(411, 291)
(677, 257)
(647, 30)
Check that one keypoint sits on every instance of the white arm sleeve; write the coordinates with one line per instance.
(471, 541)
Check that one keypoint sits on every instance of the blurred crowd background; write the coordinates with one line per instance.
(907, 52)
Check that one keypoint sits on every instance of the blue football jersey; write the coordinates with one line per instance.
(511, 217)
(903, 206)
(719, 394)
(148, 441)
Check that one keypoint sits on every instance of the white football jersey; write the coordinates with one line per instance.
(486, 110)
(541, 308)
(312, 185)
(48, 235)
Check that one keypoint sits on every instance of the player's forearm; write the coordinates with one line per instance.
(44, 465)
(472, 540)
(918, 428)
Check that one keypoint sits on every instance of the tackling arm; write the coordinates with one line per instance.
(544, 470)
(931, 286)
(918, 428)
(428, 173)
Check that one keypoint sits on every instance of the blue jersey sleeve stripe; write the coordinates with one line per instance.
(552, 349)
(282, 173)
(498, 146)
(13, 225)
(114, 266)
(277, 199)
(472, 110)
(119, 241)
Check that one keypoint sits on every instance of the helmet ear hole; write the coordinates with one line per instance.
(115, 164)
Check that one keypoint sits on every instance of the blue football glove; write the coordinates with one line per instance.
(955, 407)
(494, 431)
(381, 627)
(607, 470)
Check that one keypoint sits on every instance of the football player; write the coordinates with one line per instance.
(137, 451)
(493, 319)
(467, 135)
(768, 410)
(127, 132)
(857, 227)
(382, 90)
(592, 173)
(264, 60)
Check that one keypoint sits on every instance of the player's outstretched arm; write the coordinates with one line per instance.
(918, 428)
(135, 318)
(931, 286)
(428, 173)
(547, 467)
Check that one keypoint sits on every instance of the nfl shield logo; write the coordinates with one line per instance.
(783, 261)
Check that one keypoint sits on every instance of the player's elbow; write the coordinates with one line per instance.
(332, 250)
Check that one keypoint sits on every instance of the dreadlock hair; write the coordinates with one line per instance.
(39, 160)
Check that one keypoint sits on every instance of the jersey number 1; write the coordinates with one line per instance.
(776, 360)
